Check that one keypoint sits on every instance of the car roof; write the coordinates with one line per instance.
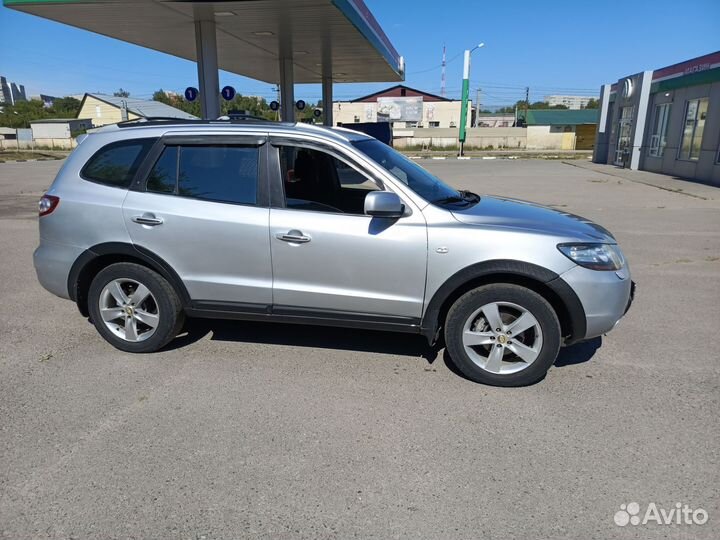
(143, 127)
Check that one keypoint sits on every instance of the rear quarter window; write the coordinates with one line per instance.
(116, 164)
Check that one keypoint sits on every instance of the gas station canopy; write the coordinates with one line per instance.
(251, 35)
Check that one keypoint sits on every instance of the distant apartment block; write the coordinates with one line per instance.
(571, 102)
(11, 92)
(48, 101)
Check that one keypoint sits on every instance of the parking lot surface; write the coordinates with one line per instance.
(275, 431)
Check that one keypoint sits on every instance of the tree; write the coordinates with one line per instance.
(253, 105)
(162, 97)
(22, 113)
(66, 107)
(520, 104)
(121, 93)
(178, 102)
(592, 104)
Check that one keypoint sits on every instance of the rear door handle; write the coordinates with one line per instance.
(294, 237)
(148, 219)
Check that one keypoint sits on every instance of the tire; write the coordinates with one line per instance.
(156, 311)
(503, 358)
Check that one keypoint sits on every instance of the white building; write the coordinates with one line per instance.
(58, 128)
(571, 102)
(403, 107)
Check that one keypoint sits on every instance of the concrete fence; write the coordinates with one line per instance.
(52, 144)
(486, 138)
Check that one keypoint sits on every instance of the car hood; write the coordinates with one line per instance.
(507, 213)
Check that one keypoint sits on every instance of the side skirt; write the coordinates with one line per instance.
(294, 315)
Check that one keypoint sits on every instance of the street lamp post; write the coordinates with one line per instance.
(465, 95)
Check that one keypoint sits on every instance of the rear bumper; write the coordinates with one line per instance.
(605, 297)
(53, 262)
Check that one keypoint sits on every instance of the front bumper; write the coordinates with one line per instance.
(605, 296)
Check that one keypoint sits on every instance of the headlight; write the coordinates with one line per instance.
(594, 256)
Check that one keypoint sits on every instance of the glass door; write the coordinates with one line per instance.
(622, 150)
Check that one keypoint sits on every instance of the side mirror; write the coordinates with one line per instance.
(384, 204)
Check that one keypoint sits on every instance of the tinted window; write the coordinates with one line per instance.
(319, 182)
(163, 176)
(117, 163)
(219, 173)
(410, 173)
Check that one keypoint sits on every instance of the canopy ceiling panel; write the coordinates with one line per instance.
(249, 33)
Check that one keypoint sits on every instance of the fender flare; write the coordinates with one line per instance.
(506, 268)
(121, 250)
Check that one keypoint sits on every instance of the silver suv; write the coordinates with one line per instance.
(150, 222)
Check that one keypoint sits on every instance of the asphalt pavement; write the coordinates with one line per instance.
(250, 430)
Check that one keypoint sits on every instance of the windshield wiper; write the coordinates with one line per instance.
(470, 196)
(450, 199)
(467, 197)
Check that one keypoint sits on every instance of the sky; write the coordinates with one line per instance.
(559, 47)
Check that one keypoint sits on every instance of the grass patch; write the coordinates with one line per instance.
(24, 155)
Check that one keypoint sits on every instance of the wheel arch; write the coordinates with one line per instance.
(94, 259)
(544, 282)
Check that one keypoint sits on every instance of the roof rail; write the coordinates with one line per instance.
(160, 120)
(241, 116)
(155, 120)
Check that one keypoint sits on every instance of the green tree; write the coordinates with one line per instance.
(66, 107)
(22, 113)
(520, 104)
(161, 96)
(121, 93)
(178, 102)
(592, 104)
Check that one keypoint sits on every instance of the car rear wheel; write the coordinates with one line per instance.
(134, 308)
(502, 335)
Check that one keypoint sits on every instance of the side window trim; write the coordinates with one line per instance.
(277, 190)
(263, 197)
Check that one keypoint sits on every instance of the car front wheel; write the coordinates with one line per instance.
(502, 335)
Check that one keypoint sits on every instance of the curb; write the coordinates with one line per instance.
(30, 160)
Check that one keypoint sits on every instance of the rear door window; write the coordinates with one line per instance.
(163, 176)
(218, 173)
(116, 164)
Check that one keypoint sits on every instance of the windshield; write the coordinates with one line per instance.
(412, 175)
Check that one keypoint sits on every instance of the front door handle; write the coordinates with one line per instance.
(294, 237)
(148, 219)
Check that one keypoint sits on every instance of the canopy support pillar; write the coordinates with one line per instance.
(207, 64)
(327, 84)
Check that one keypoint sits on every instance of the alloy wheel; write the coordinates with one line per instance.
(129, 310)
(502, 338)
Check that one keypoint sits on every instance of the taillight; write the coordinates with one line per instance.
(47, 204)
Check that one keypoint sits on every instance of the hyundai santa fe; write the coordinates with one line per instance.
(148, 223)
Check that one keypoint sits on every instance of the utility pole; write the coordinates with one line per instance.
(527, 102)
(442, 78)
(477, 108)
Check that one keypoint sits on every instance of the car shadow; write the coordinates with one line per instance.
(297, 335)
(348, 339)
(578, 353)
(568, 356)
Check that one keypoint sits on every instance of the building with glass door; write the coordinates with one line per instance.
(666, 120)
